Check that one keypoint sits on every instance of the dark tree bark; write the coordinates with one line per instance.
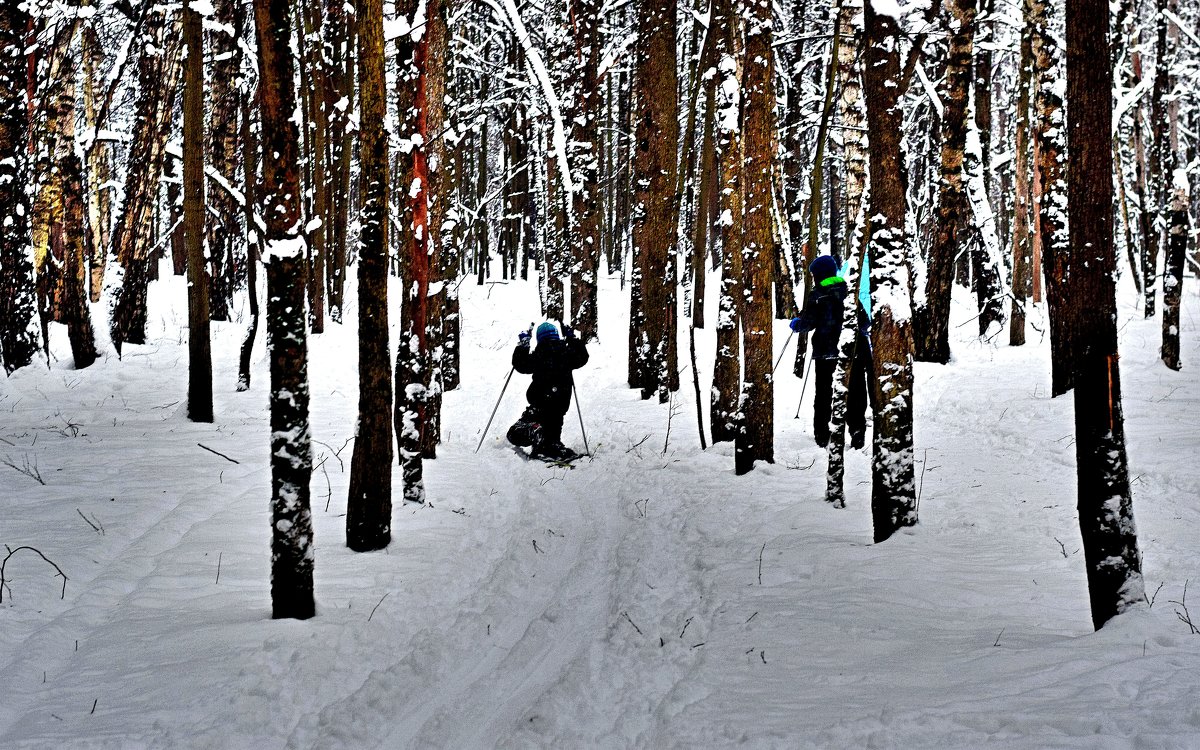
(369, 507)
(756, 439)
(893, 490)
(1052, 207)
(931, 323)
(412, 354)
(1090, 318)
(727, 365)
(585, 144)
(200, 395)
(18, 304)
(292, 550)
(654, 165)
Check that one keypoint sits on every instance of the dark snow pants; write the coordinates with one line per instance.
(856, 402)
(536, 425)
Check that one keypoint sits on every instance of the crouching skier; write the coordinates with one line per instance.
(550, 363)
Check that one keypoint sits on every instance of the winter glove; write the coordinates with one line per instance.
(795, 325)
(568, 332)
(523, 338)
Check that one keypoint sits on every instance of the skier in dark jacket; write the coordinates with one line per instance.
(550, 363)
(822, 314)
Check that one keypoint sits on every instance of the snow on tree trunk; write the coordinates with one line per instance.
(1052, 207)
(292, 545)
(854, 142)
(655, 165)
(893, 491)
(412, 354)
(369, 504)
(18, 305)
(1088, 307)
(585, 148)
(727, 367)
(225, 97)
(756, 437)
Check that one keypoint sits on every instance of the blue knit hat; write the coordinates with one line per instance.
(547, 332)
(823, 267)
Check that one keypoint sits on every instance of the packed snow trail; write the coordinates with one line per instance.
(645, 598)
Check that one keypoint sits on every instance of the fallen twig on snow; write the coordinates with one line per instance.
(11, 552)
(219, 453)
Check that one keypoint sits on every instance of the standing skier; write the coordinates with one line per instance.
(550, 363)
(822, 314)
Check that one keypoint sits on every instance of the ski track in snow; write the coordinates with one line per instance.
(646, 598)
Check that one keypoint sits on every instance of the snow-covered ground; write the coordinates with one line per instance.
(646, 598)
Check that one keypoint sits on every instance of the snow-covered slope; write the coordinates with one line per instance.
(646, 598)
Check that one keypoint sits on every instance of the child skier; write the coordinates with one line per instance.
(822, 314)
(550, 363)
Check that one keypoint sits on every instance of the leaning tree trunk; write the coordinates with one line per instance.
(657, 139)
(1087, 306)
(158, 83)
(893, 491)
(287, 340)
(932, 321)
(1158, 167)
(200, 395)
(18, 302)
(369, 506)
(756, 437)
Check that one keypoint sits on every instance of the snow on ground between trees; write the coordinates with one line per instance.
(642, 599)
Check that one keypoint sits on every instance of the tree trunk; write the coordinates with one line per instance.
(932, 321)
(200, 395)
(893, 491)
(850, 112)
(287, 341)
(654, 165)
(1022, 249)
(727, 366)
(1087, 306)
(99, 168)
(1177, 243)
(585, 143)
(253, 241)
(412, 355)
(369, 506)
(756, 439)
(1052, 206)
(18, 304)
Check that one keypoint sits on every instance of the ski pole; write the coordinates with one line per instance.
(781, 351)
(804, 385)
(579, 411)
(494, 408)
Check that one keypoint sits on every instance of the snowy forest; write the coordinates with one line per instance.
(866, 321)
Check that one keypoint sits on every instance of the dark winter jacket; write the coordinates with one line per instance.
(550, 364)
(822, 314)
